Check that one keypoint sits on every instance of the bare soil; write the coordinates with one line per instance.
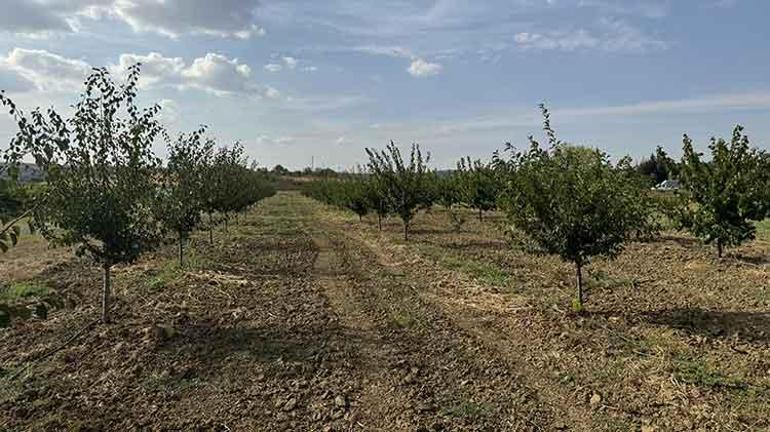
(303, 318)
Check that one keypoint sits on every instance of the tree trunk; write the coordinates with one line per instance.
(360, 218)
(211, 228)
(7, 227)
(481, 215)
(226, 218)
(719, 248)
(379, 221)
(106, 293)
(181, 249)
(406, 230)
(579, 274)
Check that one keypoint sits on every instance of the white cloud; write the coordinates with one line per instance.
(31, 18)
(156, 69)
(169, 112)
(23, 70)
(222, 18)
(556, 41)
(44, 70)
(286, 63)
(420, 68)
(273, 67)
(172, 18)
(272, 93)
(385, 50)
(267, 140)
(212, 73)
(290, 62)
(530, 117)
(704, 104)
(219, 75)
(621, 36)
(615, 36)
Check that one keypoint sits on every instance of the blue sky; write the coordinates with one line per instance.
(293, 80)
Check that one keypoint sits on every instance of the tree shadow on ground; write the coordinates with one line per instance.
(212, 348)
(478, 244)
(433, 231)
(748, 326)
(757, 260)
(685, 242)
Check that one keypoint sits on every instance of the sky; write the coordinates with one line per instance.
(297, 81)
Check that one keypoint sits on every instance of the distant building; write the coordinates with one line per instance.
(667, 185)
(27, 173)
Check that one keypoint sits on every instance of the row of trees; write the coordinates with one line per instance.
(573, 201)
(106, 193)
(393, 185)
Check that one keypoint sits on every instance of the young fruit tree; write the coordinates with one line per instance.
(100, 171)
(181, 193)
(406, 185)
(378, 199)
(222, 187)
(477, 184)
(349, 193)
(449, 194)
(572, 202)
(727, 192)
(357, 196)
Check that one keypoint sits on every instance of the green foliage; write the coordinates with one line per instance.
(9, 234)
(727, 192)
(16, 202)
(448, 193)
(477, 184)
(99, 168)
(658, 167)
(181, 194)
(377, 190)
(354, 193)
(23, 290)
(5, 316)
(697, 372)
(101, 174)
(571, 201)
(11, 199)
(182, 190)
(406, 186)
(232, 185)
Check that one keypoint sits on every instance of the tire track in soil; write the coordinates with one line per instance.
(380, 406)
(480, 314)
(439, 376)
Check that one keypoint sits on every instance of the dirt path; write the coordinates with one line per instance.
(440, 377)
(492, 323)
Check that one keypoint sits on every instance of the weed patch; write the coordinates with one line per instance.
(23, 290)
(698, 372)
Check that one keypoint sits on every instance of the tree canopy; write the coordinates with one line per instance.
(571, 201)
(100, 172)
(406, 183)
(727, 192)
